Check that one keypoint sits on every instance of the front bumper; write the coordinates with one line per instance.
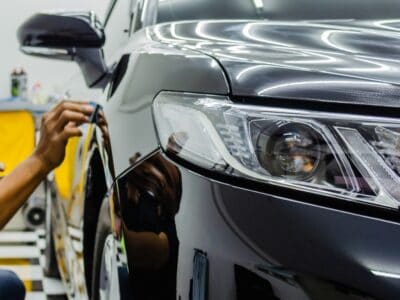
(267, 247)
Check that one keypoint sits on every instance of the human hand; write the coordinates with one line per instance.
(159, 178)
(58, 126)
(103, 125)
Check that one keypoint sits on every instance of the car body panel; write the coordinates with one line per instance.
(346, 249)
(124, 111)
(279, 254)
(345, 61)
(226, 241)
(292, 260)
(154, 67)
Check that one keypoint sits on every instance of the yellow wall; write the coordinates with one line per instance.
(65, 172)
(17, 138)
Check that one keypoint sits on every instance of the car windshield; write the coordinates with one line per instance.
(176, 10)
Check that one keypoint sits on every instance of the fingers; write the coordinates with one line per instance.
(78, 107)
(68, 116)
(65, 118)
(176, 142)
(58, 126)
(134, 158)
(105, 133)
(101, 120)
(65, 112)
(151, 171)
(70, 104)
(70, 131)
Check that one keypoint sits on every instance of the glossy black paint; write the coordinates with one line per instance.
(68, 36)
(338, 251)
(225, 242)
(189, 234)
(149, 197)
(281, 10)
(247, 240)
(346, 61)
(63, 30)
(269, 243)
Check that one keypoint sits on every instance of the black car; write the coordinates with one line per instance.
(252, 150)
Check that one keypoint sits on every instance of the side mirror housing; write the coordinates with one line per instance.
(67, 36)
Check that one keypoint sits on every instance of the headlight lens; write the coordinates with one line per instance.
(351, 157)
(289, 150)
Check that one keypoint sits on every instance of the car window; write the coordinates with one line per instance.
(177, 10)
(108, 12)
(117, 27)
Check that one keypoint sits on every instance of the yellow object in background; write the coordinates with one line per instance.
(64, 173)
(17, 138)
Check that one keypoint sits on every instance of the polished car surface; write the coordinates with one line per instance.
(251, 151)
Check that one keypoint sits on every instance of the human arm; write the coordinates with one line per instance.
(58, 126)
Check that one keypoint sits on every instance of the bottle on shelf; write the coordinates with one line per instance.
(19, 84)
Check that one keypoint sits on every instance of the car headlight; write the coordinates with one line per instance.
(352, 157)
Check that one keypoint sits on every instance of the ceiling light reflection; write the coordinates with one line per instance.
(259, 4)
(317, 83)
(385, 24)
(386, 274)
(326, 37)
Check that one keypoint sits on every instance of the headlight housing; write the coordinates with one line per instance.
(351, 157)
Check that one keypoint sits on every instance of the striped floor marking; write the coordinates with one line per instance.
(23, 253)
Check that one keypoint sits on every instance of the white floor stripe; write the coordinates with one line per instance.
(42, 261)
(53, 287)
(27, 272)
(41, 232)
(18, 237)
(35, 296)
(19, 252)
(41, 243)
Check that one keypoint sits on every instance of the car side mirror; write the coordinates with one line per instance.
(67, 36)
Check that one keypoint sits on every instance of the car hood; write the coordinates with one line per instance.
(340, 61)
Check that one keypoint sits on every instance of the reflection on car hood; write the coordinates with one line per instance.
(342, 61)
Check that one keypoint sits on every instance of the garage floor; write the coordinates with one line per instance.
(22, 252)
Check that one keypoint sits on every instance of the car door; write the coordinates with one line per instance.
(144, 212)
(71, 206)
(117, 34)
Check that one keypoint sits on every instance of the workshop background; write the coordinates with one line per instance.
(14, 13)
(227, 149)
(22, 243)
